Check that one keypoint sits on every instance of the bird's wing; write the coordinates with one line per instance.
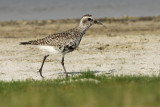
(53, 40)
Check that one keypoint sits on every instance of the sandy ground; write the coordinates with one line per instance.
(117, 52)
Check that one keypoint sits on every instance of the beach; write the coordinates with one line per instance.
(124, 46)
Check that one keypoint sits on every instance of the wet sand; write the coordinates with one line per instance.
(126, 46)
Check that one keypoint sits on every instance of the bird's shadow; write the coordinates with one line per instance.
(82, 72)
(95, 72)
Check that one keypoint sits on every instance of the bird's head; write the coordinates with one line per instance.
(88, 20)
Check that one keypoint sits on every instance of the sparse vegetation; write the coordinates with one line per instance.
(86, 90)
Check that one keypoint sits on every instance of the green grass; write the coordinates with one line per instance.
(86, 90)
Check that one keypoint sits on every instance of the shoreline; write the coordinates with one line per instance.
(122, 19)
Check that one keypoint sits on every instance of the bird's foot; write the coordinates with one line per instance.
(40, 71)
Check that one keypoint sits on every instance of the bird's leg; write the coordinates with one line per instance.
(40, 70)
(64, 66)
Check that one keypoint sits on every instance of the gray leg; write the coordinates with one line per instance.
(40, 70)
(64, 66)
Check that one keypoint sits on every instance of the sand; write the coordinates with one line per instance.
(123, 48)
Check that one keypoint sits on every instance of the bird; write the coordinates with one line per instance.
(63, 42)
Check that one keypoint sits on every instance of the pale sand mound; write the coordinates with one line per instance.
(119, 55)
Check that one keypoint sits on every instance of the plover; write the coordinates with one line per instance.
(63, 42)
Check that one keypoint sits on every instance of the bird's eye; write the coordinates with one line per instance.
(89, 19)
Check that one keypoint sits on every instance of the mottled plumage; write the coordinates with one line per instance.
(63, 42)
(66, 41)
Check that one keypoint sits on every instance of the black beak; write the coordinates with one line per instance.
(97, 22)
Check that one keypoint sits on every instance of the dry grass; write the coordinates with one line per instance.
(114, 27)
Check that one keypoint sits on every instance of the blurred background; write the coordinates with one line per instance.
(61, 9)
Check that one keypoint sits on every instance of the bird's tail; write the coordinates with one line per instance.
(24, 43)
(34, 42)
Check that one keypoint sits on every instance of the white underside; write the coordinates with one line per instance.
(49, 49)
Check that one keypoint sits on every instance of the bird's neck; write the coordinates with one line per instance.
(82, 28)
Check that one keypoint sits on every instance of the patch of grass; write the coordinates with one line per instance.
(82, 91)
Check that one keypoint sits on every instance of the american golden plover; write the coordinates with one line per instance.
(63, 42)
